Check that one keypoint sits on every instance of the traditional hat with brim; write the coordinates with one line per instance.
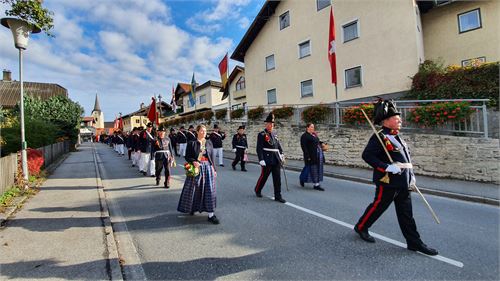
(191, 127)
(149, 125)
(384, 109)
(270, 118)
(216, 126)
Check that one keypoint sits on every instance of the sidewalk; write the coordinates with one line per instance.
(464, 190)
(60, 233)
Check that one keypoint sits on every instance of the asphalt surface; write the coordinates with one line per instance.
(310, 237)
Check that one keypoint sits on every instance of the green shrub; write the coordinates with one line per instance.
(433, 82)
(38, 133)
(237, 113)
(315, 114)
(207, 115)
(255, 113)
(283, 112)
(354, 116)
(435, 114)
(221, 113)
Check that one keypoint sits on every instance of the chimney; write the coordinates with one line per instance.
(7, 75)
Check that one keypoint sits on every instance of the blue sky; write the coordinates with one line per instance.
(128, 50)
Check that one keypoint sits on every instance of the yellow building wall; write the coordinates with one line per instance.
(443, 40)
(387, 49)
(237, 97)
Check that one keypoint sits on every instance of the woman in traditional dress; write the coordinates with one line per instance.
(313, 158)
(198, 193)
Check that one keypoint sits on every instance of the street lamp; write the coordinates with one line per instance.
(21, 31)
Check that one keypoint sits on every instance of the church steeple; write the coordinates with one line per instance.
(97, 107)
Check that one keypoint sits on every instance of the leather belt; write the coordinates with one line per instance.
(271, 149)
(239, 146)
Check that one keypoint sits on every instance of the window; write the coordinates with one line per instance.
(271, 96)
(240, 85)
(321, 4)
(284, 20)
(473, 62)
(469, 21)
(306, 88)
(234, 107)
(203, 99)
(350, 31)
(304, 49)
(353, 77)
(270, 63)
(137, 121)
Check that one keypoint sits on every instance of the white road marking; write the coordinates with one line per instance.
(378, 236)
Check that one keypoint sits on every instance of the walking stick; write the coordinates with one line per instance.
(284, 173)
(390, 159)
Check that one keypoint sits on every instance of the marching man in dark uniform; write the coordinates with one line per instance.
(173, 140)
(240, 146)
(182, 141)
(136, 154)
(146, 140)
(393, 180)
(270, 156)
(162, 151)
(191, 134)
(217, 137)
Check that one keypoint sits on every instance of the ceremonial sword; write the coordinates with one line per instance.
(284, 173)
(390, 159)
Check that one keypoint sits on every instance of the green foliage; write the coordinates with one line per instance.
(283, 112)
(199, 116)
(207, 115)
(8, 195)
(255, 113)
(32, 12)
(221, 113)
(38, 133)
(237, 113)
(354, 116)
(433, 81)
(315, 114)
(434, 114)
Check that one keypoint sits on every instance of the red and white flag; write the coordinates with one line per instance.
(173, 103)
(331, 48)
(152, 112)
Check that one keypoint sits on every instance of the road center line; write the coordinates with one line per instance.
(378, 236)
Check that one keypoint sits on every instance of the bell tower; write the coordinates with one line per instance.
(97, 114)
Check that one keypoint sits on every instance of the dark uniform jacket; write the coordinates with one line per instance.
(217, 138)
(309, 144)
(120, 139)
(193, 151)
(145, 141)
(134, 142)
(181, 137)
(173, 138)
(161, 145)
(191, 136)
(376, 157)
(270, 141)
(240, 141)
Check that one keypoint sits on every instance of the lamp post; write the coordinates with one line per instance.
(21, 31)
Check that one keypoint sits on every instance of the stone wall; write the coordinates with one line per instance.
(464, 158)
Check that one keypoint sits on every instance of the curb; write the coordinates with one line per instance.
(459, 196)
(113, 263)
(19, 201)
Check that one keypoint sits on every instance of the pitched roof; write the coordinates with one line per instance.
(212, 83)
(88, 119)
(10, 91)
(144, 111)
(237, 69)
(258, 23)
(97, 107)
(108, 125)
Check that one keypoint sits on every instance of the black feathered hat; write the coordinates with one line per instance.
(149, 125)
(384, 109)
(270, 118)
(241, 127)
(191, 127)
(216, 126)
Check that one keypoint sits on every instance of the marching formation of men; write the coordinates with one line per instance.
(153, 153)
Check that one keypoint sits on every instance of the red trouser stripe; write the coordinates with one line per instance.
(260, 179)
(372, 209)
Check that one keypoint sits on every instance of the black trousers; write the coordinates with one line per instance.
(240, 152)
(266, 170)
(174, 146)
(159, 166)
(129, 152)
(384, 196)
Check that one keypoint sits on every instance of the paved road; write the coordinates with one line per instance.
(308, 238)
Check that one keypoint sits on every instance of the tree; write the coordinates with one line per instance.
(32, 12)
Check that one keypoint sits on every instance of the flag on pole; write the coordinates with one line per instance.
(120, 123)
(192, 101)
(173, 103)
(152, 111)
(223, 77)
(331, 48)
(116, 124)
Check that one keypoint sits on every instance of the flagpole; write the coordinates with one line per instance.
(337, 107)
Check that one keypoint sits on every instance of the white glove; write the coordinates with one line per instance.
(393, 169)
(262, 163)
(282, 157)
(234, 149)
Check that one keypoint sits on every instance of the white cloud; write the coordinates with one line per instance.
(209, 21)
(244, 23)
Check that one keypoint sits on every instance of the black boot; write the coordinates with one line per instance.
(157, 181)
(213, 219)
(423, 249)
(364, 235)
(280, 199)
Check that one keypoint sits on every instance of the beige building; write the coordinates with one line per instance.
(139, 118)
(462, 32)
(379, 46)
(237, 88)
(207, 97)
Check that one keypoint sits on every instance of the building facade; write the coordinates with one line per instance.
(207, 97)
(237, 88)
(379, 46)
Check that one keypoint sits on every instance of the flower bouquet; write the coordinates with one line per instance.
(191, 170)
